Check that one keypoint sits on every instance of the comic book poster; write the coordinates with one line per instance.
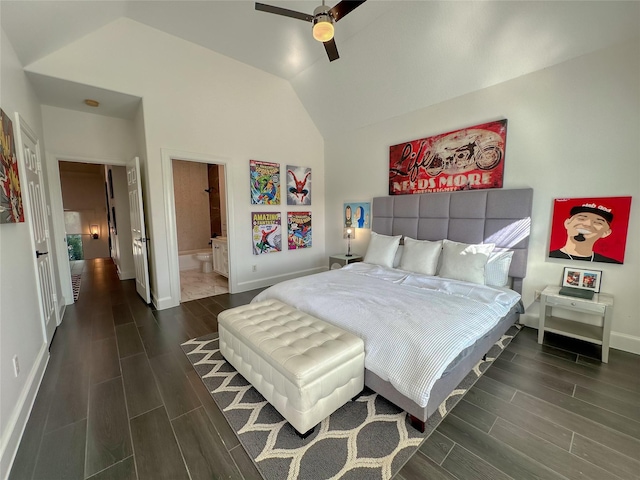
(267, 232)
(357, 215)
(299, 230)
(298, 185)
(11, 208)
(265, 183)
(466, 159)
(590, 229)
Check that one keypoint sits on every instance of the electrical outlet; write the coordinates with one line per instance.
(254, 268)
(536, 298)
(16, 365)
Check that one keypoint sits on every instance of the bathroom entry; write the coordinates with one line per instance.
(201, 224)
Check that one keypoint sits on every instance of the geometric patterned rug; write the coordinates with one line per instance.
(75, 285)
(367, 438)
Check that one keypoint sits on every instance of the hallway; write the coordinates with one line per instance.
(119, 399)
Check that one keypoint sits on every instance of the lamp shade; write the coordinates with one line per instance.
(323, 28)
(95, 231)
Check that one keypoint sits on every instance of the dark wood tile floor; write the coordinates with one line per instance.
(119, 400)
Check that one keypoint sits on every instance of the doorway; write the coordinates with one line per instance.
(93, 196)
(85, 215)
(201, 224)
(168, 155)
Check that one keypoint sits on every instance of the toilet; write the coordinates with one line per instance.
(205, 260)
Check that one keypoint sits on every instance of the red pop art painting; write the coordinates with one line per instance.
(590, 229)
(467, 159)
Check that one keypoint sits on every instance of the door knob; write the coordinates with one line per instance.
(39, 253)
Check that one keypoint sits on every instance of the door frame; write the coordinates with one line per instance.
(57, 214)
(168, 155)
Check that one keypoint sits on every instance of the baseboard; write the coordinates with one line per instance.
(628, 343)
(530, 320)
(162, 303)
(12, 434)
(268, 281)
(126, 274)
(61, 311)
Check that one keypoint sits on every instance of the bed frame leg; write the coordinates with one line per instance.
(484, 357)
(416, 423)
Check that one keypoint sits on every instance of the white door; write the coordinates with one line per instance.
(28, 147)
(138, 232)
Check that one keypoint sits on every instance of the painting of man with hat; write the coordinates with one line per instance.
(590, 229)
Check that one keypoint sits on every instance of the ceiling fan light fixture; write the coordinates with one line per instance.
(323, 27)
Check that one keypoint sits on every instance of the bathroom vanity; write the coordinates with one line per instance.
(220, 256)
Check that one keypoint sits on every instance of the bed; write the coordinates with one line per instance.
(401, 314)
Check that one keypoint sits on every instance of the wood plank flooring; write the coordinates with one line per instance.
(119, 400)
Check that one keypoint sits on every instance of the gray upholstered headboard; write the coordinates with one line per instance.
(496, 216)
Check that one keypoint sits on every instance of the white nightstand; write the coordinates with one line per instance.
(601, 306)
(342, 259)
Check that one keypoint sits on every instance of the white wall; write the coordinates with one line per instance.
(199, 101)
(21, 330)
(572, 132)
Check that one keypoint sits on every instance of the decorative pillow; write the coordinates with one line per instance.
(420, 256)
(382, 249)
(496, 272)
(461, 261)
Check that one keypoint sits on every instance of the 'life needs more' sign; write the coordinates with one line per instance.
(466, 159)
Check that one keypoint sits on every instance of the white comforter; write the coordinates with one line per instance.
(412, 325)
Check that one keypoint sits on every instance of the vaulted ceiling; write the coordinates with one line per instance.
(395, 56)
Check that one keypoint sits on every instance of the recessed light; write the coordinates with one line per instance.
(92, 103)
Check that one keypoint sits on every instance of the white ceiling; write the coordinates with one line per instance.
(396, 56)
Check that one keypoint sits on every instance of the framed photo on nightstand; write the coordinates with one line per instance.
(584, 279)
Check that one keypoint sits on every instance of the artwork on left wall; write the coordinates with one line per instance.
(265, 182)
(267, 232)
(471, 158)
(11, 207)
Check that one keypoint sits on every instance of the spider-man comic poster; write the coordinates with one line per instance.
(265, 182)
(299, 230)
(467, 159)
(267, 232)
(298, 185)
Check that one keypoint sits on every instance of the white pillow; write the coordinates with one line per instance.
(420, 256)
(398, 256)
(496, 272)
(461, 261)
(382, 249)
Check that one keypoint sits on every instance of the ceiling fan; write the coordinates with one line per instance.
(322, 19)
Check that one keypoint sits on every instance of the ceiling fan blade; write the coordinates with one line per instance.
(344, 7)
(331, 49)
(284, 12)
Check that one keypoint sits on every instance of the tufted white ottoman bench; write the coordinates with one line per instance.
(305, 367)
